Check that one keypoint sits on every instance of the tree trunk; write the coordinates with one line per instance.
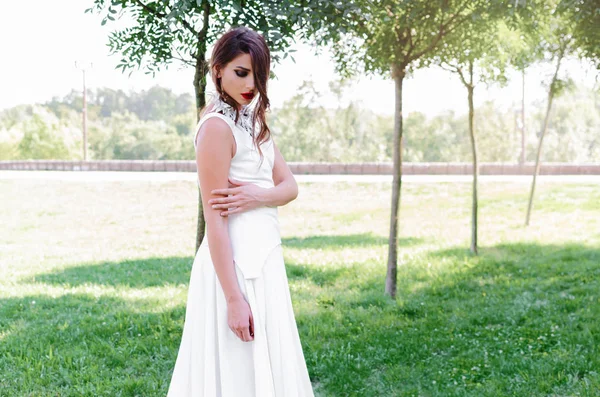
(475, 205)
(544, 127)
(398, 73)
(200, 90)
(522, 157)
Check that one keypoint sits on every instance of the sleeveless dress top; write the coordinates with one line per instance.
(254, 233)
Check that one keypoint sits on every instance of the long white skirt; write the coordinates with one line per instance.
(213, 362)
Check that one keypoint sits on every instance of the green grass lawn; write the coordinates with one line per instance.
(93, 282)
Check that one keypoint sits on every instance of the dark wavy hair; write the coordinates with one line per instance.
(234, 42)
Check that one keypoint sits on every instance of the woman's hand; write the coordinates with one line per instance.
(240, 320)
(246, 196)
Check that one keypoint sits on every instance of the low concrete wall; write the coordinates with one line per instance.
(312, 168)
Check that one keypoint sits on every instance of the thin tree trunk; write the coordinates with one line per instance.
(522, 157)
(543, 133)
(398, 73)
(200, 90)
(475, 203)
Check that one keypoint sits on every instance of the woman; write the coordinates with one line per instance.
(240, 336)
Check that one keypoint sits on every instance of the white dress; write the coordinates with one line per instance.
(212, 361)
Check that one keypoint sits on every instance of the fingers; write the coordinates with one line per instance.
(244, 333)
(251, 329)
(230, 207)
(238, 333)
(223, 200)
(233, 211)
(225, 192)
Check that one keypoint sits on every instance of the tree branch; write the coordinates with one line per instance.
(412, 45)
(151, 10)
(451, 68)
(182, 59)
(462, 77)
(189, 63)
(442, 32)
(159, 14)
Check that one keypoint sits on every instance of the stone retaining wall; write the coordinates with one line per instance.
(312, 168)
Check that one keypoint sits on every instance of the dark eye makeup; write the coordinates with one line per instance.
(241, 73)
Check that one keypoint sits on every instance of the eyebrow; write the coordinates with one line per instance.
(241, 67)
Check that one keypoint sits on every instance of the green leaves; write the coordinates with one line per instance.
(168, 31)
(561, 86)
(584, 17)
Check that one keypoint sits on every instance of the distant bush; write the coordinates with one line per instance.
(158, 125)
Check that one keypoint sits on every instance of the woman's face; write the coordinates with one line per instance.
(237, 79)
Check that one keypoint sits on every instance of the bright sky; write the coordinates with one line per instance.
(41, 40)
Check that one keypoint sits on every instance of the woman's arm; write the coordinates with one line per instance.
(286, 188)
(247, 196)
(213, 158)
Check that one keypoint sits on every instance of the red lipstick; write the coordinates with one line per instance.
(248, 95)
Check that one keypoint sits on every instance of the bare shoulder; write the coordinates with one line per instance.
(213, 133)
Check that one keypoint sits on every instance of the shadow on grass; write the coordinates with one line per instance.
(140, 273)
(323, 276)
(318, 276)
(78, 344)
(81, 344)
(522, 264)
(520, 319)
(343, 241)
(156, 272)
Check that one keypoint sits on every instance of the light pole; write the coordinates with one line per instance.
(83, 66)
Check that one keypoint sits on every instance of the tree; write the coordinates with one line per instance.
(110, 101)
(584, 18)
(523, 52)
(389, 38)
(477, 52)
(47, 137)
(521, 47)
(560, 39)
(180, 30)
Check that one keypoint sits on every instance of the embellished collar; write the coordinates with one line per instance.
(245, 119)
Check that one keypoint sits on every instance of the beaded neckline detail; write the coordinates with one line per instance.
(245, 119)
